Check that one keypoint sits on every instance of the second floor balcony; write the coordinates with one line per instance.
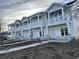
(37, 24)
(58, 20)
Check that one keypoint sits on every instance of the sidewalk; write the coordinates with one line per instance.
(22, 47)
(28, 46)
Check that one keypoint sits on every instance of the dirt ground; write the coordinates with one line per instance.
(46, 51)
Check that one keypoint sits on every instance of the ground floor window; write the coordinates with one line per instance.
(64, 31)
(40, 33)
(43, 32)
(31, 34)
(20, 34)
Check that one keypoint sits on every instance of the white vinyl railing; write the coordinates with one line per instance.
(58, 19)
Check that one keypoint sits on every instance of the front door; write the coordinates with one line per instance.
(57, 33)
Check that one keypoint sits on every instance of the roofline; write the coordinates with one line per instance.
(62, 4)
(36, 14)
(11, 24)
(17, 20)
(71, 2)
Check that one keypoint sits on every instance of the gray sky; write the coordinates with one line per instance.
(10, 10)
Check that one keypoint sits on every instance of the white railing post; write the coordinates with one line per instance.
(29, 27)
(38, 20)
(58, 18)
(47, 23)
(69, 28)
(48, 18)
(62, 14)
(14, 31)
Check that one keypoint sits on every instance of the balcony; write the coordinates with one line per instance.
(58, 20)
(34, 24)
(12, 29)
(25, 27)
(42, 23)
(17, 29)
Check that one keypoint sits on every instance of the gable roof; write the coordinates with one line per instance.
(59, 4)
(54, 3)
(71, 2)
(11, 24)
(37, 13)
(24, 18)
(17, 21)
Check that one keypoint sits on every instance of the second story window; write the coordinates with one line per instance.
(17, 25)
(60, 13)
(20, 24)
(31, 34)
(25, 22)
(29, 21)
(56, 19)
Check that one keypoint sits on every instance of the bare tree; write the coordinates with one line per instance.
(2, 26)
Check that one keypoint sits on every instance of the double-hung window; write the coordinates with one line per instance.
(64, 31)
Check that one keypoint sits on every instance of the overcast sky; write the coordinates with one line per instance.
(10, 10)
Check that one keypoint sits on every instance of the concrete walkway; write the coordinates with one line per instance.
(22, 47)
(29, 46)
(13, 43)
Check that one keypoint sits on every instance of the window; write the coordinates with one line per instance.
(43, 32)
(9, 33)
(20, 34)
(56, 17)
(64, 31)
(31, 34)
(25, 22)
(40, 33)
(17, 25)
(29, 21)
(20, 24)
(60, 15)
(60, 12)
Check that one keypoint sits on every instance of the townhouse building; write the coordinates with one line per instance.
(55, 23)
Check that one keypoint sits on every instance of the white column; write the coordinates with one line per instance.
(15, 30)
(29, 27)
(47, 21)
(41, 28)
(38, 20)
(48, 18)
(69, 28)
(62, 14)
(58, 17)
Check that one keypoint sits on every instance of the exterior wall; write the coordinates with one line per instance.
(75, 15)
(55, 31)
(43, 24)
(26, 34)
(36, 33)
